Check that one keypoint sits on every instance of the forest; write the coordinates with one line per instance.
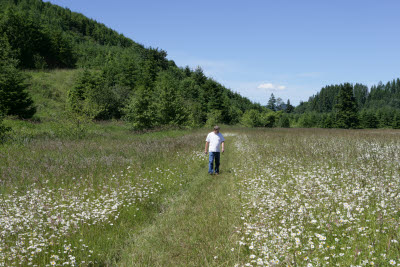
(123, 80)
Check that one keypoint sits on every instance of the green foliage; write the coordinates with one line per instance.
(346, 115)
(396, 121)
(81, 98)
(36, 46)
(14, 99)
(360, 94)
(385, 117)
(214, 92)
(93, 98)
(141, 110)
(284, 121)
(256, 118)
(368, 119)
(302, 107)
(214, 117)
(327, 120)
(272, 103)
(309, 120)
(268, 119)
(196, 116)
(235, 114)
(289, 108)
(380, 96)
(251, 118)
(168, 101)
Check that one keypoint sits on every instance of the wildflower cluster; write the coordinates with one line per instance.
(320, 201)
(36, 226)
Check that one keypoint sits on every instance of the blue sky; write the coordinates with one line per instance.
(255, 47)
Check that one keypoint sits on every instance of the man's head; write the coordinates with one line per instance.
(216, 129)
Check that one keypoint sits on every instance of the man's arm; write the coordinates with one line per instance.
(206, 148)
(223, 146)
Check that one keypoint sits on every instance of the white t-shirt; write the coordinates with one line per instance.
(215, 141)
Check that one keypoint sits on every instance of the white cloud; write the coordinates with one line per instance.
(271, 87)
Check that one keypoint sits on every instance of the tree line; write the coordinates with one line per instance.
(378, 107)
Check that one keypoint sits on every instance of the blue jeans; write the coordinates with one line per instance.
(213, 156)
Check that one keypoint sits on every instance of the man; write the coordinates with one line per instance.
(214, 141)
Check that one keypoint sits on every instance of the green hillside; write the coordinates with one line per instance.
(49, 90)
(115, 77)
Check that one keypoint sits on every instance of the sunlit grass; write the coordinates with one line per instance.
(68, 201)
(286, 197)
(320, 197)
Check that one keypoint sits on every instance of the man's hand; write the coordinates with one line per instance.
(223, 150)
(206, 148)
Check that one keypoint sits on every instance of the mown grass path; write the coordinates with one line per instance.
(197, 228)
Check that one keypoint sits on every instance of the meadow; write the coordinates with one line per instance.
(316, 197)
(113, 197)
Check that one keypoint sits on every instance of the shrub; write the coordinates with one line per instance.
(284, 122)
(268, 119)
(214, 117)
(141, 109)
(251, 118)
(93, 98)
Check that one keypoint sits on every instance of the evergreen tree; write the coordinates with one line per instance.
(289, 107)
(327, 120)
(36, 46)
(385, 117)
(360, 94)
(396, 121)
(14, 99)
(272, 103)
(215, 95)
(346, 109)
(141, 111)
(169, 102)
(199, 76)
(368, 119)
(187, 71)
(280, 105)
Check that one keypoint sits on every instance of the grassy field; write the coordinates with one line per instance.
(285, 197)
(314, 197)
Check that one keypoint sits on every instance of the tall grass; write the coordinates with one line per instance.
(297, 197)
(49, 91)
(316, 197)
(75, 201)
